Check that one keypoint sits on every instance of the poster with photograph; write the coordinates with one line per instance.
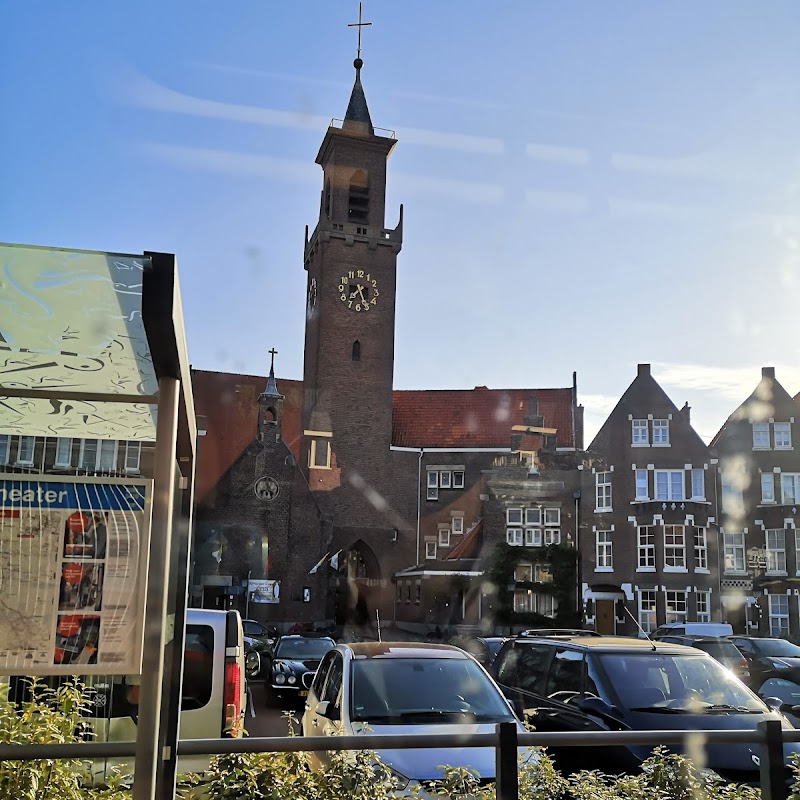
(73, 572)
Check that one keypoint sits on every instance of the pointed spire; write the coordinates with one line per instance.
(272, 386)
(357, 111)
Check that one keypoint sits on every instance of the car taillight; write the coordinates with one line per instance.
(232, 699)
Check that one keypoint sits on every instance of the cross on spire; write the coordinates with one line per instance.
(359, 25)
(272, 353)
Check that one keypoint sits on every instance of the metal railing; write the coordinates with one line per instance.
(769, 736)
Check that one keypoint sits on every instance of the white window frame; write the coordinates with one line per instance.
(523, 572)
(28, 440)
(312, 454)
(785, 432)
(5, 447)
(661, 433)
(673, 476)
(552, 536)
(59, 461)
(793, 497)
(430, 551)
(514, 537)
(698, 484)
(733, 544)
(514, 517)
(775, 545)
(433, 479)
(444, 537)
(642, 479)
(640, 433)
(732, 495)
(552, 516)
(674, 548)
(778, 605)
(700, 549)
(602, 491)
(533, 537)
(457, 525)
(604, 552)
(432, 493)
(703, 606)
(761, 436)
(533, 517)
(458, 479)
(445, 479)
(132, 448)
(98, 455)
(542, 573)
(648, 603)
(767, 487)
(646, 548)
(679, 601)
(797, 550)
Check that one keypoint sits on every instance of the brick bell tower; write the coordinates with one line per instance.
(351, 261)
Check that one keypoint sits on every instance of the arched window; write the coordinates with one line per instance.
(358, 198)
(356, 350)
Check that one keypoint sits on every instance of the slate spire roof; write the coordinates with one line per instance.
(357, 111)
(271, 390)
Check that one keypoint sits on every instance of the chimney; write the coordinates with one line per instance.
(687, 413)
(768, 372)
(643, 369)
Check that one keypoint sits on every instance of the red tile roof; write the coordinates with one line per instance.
(477, 417)
(469, 546)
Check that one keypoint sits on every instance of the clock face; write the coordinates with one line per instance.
(358, 290)
(312, 297)
(266, 488)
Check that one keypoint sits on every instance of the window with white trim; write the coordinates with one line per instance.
(767, 487)
(542, 573)
(776, 550)
(444, 537)
(5, 447)
(646, 547)
(703, 606)
(98, 455)
(63, 457)
(458, 479)
(642, 490)
(734, 551)
(430, 551)
(523, 573)
(761, 436)
(660, 432)
(433, 485)
(514, 537)
(783, 435)
(603, 491)
(133, 456)
(797, 550)
(700, 549)
(533, 537)
(778, 615)
(552, 516)
(445, 479)
(320, 454)
(640, 434)
(732, 495)
(528, 601)
(604, 552)
(790, 488)
(533, 516)
(647, 610)
(676, 606)
(513, 516)
(674, 547)
(698, 484)
(670, 484)
(25, 448)
(552, 536)
(458, 525)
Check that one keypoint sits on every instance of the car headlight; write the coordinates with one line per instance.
(292, 679)
(281, 678)
(383, 772)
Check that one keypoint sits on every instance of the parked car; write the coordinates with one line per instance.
(768, 658)
(258, 638)
(483, 649)
(692, 629)
(722, 649)
(291, 664)
(616, 683)
(391, 688)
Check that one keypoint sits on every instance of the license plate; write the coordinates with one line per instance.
(304, 693)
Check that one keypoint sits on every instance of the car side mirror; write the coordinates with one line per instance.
(596, 707)
(252, 664)
(773, 703)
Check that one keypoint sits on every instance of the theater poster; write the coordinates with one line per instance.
(73, 574)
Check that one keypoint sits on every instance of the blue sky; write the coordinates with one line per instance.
(586, 185)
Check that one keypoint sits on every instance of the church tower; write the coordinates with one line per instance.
(351, 260)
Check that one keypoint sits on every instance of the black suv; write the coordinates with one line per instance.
(614, 683)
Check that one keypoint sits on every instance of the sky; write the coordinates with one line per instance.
(586, 186)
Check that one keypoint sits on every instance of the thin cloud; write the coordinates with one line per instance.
(564, 155)
(274, 76)
(453, 101)
(561, 202)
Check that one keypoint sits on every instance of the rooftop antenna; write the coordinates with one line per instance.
(359, 25)
(643, 631)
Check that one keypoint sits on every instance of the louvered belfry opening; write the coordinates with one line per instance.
(358, 199)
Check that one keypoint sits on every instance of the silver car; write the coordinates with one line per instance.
(391, 688)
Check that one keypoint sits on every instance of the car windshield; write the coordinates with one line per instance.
(723, 651)
(494, 645)
(419, 690)
(303, 649)
(777, 648)
(681, 683)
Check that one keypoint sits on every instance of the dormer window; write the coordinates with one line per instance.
(358, 198)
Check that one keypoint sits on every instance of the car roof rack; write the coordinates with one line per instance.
(547, 632)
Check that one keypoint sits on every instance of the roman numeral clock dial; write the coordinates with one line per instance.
(358, 290)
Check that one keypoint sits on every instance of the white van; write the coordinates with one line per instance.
(693, 629)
